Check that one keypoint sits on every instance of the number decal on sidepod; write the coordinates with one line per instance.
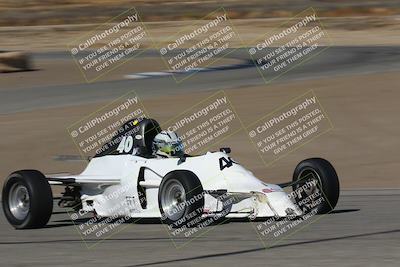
(225, 163)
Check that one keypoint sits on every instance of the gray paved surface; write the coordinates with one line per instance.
(331, 62)
(364, 230)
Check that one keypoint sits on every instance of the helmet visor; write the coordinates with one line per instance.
(173, 149)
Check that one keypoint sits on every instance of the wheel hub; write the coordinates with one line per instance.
(309, 175)
(173, 195)
(19, 201)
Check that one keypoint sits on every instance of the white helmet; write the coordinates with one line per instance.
(168, 144)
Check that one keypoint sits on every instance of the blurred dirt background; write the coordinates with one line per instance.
(46, 25)
(55, 12)
(363, 145)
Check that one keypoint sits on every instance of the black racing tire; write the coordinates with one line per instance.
(185, 188)
(326, 176)
(32, 191)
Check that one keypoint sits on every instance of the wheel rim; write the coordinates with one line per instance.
(308, 175)
(173, 197)
(19, 202)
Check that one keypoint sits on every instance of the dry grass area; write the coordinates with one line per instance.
(49, 24)
(52, 12)
(349, 31)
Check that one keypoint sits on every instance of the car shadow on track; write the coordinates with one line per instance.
(174, 261)
(69, 222)
(80, 240)
(58, 225)
(343, 211)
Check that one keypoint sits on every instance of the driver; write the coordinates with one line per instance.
(167, 144)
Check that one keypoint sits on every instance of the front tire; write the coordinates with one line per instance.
(27, 199)
(181, 199)
(321, 171)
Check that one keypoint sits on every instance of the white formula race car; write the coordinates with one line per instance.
(125, 179)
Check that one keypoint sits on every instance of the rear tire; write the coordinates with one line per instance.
(27, 199)
(181, 199)
(323, 172)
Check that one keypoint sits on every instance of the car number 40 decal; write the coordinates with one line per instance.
(125, 145)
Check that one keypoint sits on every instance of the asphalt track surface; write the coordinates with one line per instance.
(334, 61)
(364, 230)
